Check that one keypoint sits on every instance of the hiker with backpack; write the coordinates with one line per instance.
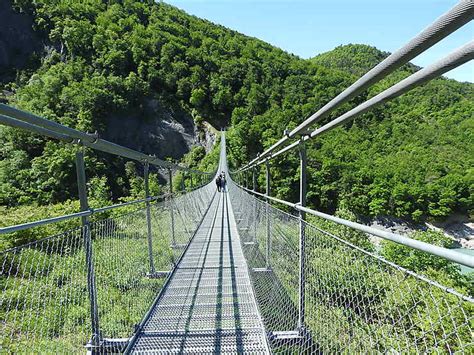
(219, 183)
(223, 182)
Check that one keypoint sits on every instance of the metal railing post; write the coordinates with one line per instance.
(148, 217)
(86, 232)
(254, 183)
(302, 236)
(268, 251)
(170, 175)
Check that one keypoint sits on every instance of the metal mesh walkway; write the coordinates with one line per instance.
(208, 306)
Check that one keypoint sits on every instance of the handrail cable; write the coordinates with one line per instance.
(455, 18)
(14, 117)
(87, 213)
(458, 57)
(463, 259)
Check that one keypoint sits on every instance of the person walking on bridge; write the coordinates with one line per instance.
(219, 183)
(223, 182)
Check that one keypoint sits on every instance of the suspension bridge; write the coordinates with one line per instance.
(201, 271)
(208, 306)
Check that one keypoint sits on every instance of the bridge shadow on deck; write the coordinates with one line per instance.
(186, 334)
(208, 306)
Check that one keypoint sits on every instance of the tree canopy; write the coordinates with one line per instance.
(411, 158)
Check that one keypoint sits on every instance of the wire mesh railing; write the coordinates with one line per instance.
(354, 300)
(44, 295)
(44, 305)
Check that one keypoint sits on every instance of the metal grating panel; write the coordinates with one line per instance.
(207, 342)
(208, 306)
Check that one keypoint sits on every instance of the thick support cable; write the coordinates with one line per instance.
(460, 56)
(20, 119)
(451, 255)
(463, 259)
(449, 22)
(44, 123)
(28, 225)
(458, 16)
(8, 121)
(91, 211)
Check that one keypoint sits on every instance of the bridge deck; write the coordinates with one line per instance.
(208, 306)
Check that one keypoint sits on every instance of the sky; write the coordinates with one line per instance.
(309, 27)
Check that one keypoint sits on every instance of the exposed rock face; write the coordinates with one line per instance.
(458, 228)
(18, 41)
(156, 129)
(207, 137)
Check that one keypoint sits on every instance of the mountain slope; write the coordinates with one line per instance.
(132, 69)
(356, 59)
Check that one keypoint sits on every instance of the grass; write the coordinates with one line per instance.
(44, 305)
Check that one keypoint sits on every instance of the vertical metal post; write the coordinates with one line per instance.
(148, 217)
(170, 175)
(183, 185)
(254, 179)
(86, 233)
(268, 251)
(254, 183)
(302, 236)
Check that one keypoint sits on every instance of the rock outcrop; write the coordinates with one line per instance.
(18, 40)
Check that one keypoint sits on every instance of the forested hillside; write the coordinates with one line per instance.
(411, 158)
(153, 78)
(131, 64)
(356, 59)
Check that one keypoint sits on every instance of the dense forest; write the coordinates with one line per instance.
(98, 64)
(411, 158)
(104, 60)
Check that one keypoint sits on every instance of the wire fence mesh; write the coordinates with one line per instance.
(44, 295)
(44, 305)
(355, 300)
